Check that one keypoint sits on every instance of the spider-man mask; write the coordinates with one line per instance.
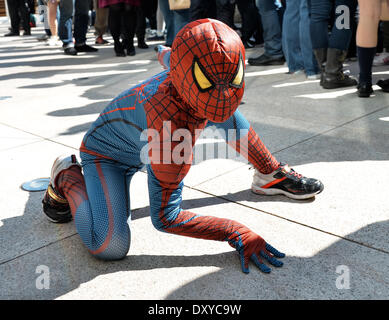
(207, 68)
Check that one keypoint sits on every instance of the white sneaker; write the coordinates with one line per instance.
(286, 181)
(314, 76)
(53, 41)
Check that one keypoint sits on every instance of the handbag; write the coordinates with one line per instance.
(179, 4)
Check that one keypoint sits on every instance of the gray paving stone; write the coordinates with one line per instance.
(165, 266)
(343, 207)
(13, 138)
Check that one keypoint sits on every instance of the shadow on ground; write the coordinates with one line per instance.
(301, 277)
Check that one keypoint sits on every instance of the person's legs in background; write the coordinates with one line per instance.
(369, 17)
(65, 23)
(14, 17)
(200, 9)
(291, 44)
(153, 15)
(384, 84)
(383, 57)
(19, 12)
(24, 12)
(150, 12)
(320, 14)
(52, 8)
(122, 21)
(23, 16)
(225, 12)
(158, 35)
(43, 13)
(331, 51)
(129, 20)
(101, 23)
(31, 12)
(385, 34)
(250, 20)
(175, 20)
(340, 35)
(271, 33)
(81, 19)
(141, 25)
(169, 21)
(385, 31)
(115, 27)
(308, 58)
(352, 48)
(181, 18)
(338, 43)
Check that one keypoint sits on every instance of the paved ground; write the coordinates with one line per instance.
(337, 244)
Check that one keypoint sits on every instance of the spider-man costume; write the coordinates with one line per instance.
(203, 87)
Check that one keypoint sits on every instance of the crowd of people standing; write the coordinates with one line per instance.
(314, 37)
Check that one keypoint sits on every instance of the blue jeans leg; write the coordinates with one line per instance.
(169, 20)
(181, 18)
(310, 64)
(65, 22)
(320, 14)
(271, 28)
(340, 37)
(291, 36)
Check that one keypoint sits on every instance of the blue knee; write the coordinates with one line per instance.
(117, 248)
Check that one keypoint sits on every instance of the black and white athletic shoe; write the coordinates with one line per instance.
(286, 181)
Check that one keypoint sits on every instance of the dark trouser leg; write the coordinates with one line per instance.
(65, 23)
(31, 6)
(141, 24)
(149, 8)
(249, 15)
(341, 34)
(271, 28)
(114, 20)
(200, 9)
(385, 30)
(352, 49)
(181, 18)
(130, 23)
(168, 16)
(225, 12)
(81, 21)
(24, 11)
(13, 15)
(115, 26)
(320, 15)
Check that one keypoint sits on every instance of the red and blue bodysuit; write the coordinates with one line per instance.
(202, 85)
